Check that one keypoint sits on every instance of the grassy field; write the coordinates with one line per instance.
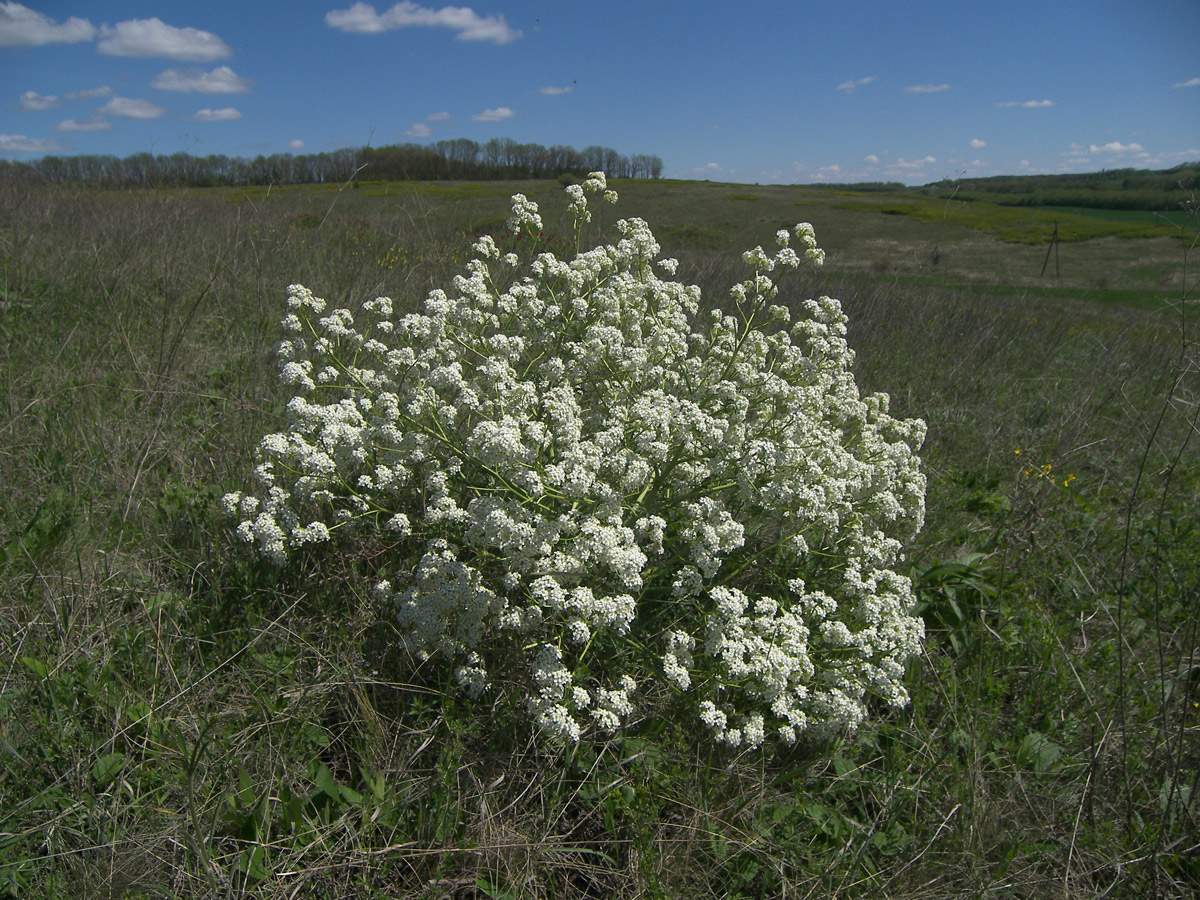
(180, 720)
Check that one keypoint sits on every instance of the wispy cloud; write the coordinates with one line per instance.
(18, 143)
(555, 91)
(228, 114)
(296, 144)
(1191, 82)
(91, 93)
(421, 130)
(362, 18)
(221, 80)
(977, 143)
(32, 101)
(927, 88)
(909, 165)
(128, 108)
(20, 26)
(1027, 104)
(154, 38)
(92, 123)
(850, 86)
(872, 159)
(499, 114)
(1115, 147)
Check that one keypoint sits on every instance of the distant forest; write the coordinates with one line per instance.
(502, 159)
(459, 159)
(1135, 189)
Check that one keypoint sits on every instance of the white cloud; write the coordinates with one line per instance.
(439, 117)
(927, 88)
(827, 172)
(914, 164)
(361, 18)
(128, 108)
(153, 37)
(711, 168)
(1028, 104)
(1191, 82)
(850, 86)
(227, 114)
(18, 143)
(92, 123)
(555, 91)
(872, 159)
(296, 144)
(1115, 147)
(90, 93)
(20, 26)
(32, 101)
(977, 143)
(221, 80)
(499, 114)
(419, 130)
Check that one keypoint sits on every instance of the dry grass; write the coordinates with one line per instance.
(176, 720)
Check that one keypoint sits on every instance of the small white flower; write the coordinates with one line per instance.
(399, 524)
(578, 631)
(524, 215)
(561, 454)
(485, 248)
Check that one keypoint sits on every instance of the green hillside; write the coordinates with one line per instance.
(1118, 189)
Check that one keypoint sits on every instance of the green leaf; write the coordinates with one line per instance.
(1038, 752)
(252, 862)
(36, 666)
(842, 766)
(323, 779)
(107, 768)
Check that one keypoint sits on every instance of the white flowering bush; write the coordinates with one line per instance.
(593, 488)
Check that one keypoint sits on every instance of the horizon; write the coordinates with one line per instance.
(1187, 165)
(837, 93)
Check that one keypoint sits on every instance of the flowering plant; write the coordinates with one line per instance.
(593, 486)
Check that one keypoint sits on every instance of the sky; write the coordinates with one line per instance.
(792, 92)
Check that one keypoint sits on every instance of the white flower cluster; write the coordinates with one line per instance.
(575, 469)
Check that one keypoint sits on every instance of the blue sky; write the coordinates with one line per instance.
(770, 92)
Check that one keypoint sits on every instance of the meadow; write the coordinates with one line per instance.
(180, 719)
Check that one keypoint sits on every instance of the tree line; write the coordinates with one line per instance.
(1120, 189)
(458, 159)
